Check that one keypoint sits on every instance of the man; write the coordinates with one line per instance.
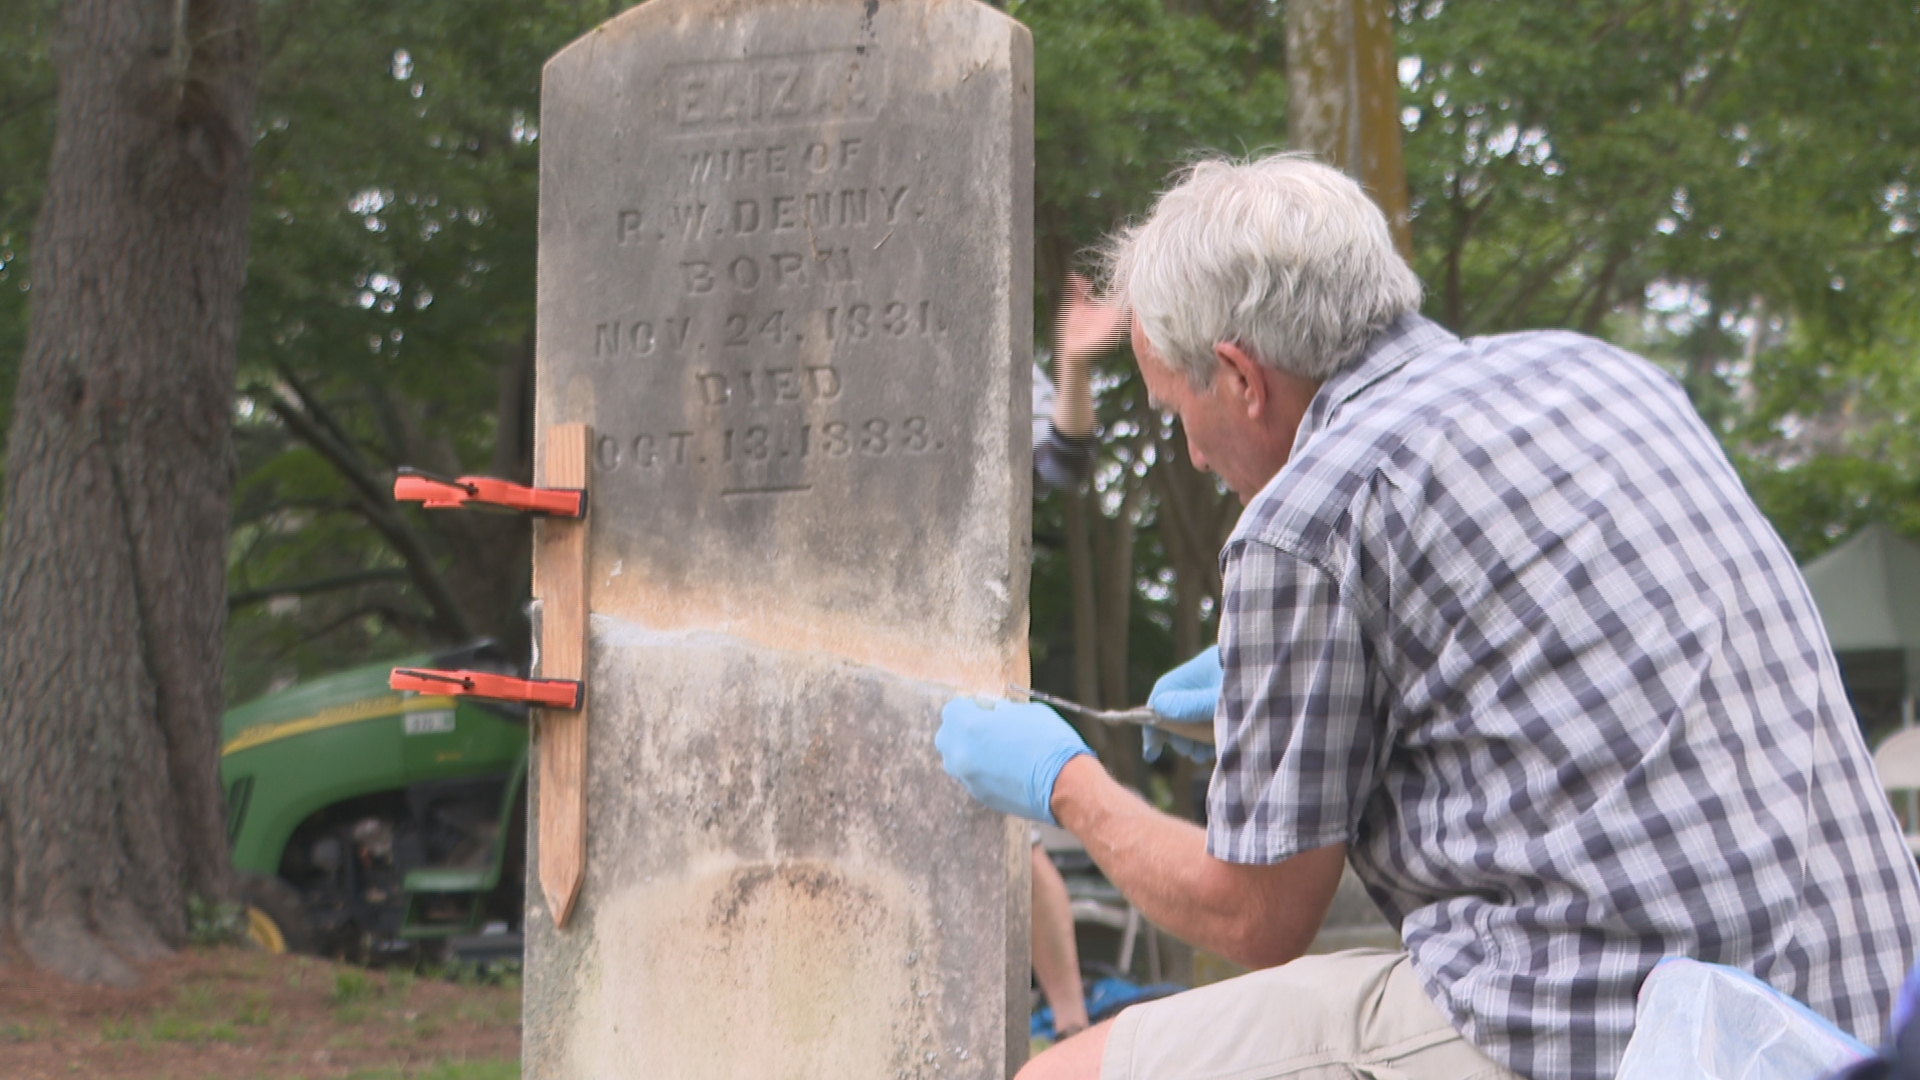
(1500, 627)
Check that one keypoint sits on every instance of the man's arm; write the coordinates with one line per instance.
(1087, 327)
(1063, 448)
(1254, 915)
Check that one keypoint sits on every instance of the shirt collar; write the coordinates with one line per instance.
(1387, 352)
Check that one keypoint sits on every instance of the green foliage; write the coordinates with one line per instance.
(393, 254)
(1829, 443)
(1125, 93)
(391, 295)
(1725, 187)
(26, 134)
(470, 973)
(395, 168)
(214, 922)
(1563, 157)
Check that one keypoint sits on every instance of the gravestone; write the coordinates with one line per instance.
(784, 273)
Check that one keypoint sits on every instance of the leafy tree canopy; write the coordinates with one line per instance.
(1724, 186)
(389, 322)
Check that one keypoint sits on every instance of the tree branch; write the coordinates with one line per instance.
(1602, 300)
(1520, 300)
(318, 585)
(385, 611)
(374, 496)
(343, 439)
(16, 109)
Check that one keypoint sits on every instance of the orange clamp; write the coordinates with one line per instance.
(546, 693)
(486, 493)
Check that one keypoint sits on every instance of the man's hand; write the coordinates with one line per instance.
(1188, 693)
(1007, 755)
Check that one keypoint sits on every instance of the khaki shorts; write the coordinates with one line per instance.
(1360, 1013)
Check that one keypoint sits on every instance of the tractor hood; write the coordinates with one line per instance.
(354, 694)
(361, 693)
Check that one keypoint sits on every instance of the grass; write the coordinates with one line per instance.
(11, 1032)
(228, 1014)
(255, 1010)
(116, 1029)
(350, 987)
(184, 1029)
(450, 1070)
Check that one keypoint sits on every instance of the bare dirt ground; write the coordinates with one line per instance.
(235, 1014)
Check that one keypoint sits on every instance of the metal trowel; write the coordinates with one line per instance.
(1143, 716)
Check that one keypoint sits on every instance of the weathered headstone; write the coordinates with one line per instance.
(785, 274)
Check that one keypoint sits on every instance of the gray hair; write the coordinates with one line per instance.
(1283, 256)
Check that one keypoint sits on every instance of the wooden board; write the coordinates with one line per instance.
(560, 575)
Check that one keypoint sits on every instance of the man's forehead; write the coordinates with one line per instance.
(1152, 373)
(1155, 372)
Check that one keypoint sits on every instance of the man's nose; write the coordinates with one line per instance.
(1194, 455)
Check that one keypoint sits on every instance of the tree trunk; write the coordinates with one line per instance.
(1194, 519)
(1086, 619)
(1081, 518)
(1343, 100)
(1113, 584)
(1113, 553)
(113, 553)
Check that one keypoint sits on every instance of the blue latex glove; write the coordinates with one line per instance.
(1187, 693)
(1007, 755)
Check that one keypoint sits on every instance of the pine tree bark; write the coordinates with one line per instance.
(113, 551)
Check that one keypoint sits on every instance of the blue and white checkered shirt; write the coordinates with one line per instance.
(1509, 626)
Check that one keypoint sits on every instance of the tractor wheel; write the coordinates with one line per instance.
(276, 922)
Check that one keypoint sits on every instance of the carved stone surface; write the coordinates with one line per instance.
(784, 273)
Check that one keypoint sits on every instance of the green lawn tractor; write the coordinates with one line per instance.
(371, 825)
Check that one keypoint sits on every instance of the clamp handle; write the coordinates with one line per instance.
(486, 493)
(546, 693)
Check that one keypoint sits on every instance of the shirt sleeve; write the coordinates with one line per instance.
(1296, 722)
(1062, 461)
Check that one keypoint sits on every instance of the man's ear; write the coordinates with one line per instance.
(1246, 383)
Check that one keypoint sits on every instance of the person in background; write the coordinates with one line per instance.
(1063, 444)
(1063, 437)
